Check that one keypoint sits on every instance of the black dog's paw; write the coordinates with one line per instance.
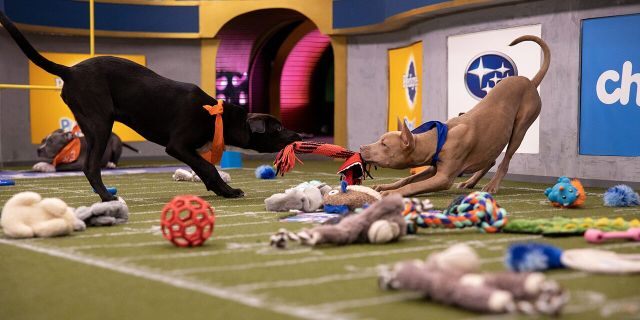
(233, 193)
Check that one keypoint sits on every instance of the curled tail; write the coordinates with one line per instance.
(547, 57)
(30, 52)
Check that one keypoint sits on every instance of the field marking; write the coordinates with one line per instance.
(184, 283)
(278, 263)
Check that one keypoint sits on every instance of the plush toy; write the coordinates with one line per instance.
(381, 222)
(185, 175)
(27, 215)
(621, 196)
(306, 197)
(265, 172)
(566, 193)
(353, 170)
(477, 209)
(560, 226)
(349, 198)
(540, 257)
(451, 277)
(104, 213)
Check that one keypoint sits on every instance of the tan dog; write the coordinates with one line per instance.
(475, 139)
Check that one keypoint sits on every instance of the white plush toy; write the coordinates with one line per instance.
(28, 215)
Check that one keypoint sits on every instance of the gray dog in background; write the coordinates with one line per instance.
(475, 139)
(58, 139)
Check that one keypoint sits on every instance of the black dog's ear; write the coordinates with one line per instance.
(256, 124)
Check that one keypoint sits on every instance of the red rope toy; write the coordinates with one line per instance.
(353, 170)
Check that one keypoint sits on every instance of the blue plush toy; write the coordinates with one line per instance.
(265, 172)
(566, 193)
(621, 196)
(528, 257)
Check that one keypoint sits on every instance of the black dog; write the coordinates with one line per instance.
(53, 143)
(105, 89)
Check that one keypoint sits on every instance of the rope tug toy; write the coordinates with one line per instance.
(353, 170)
(477, 209)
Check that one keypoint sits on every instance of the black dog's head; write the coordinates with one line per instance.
(51, 144)
(267, 133)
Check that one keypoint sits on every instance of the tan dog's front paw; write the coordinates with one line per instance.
(382, 187)
(464, 185)
(491, 188)
(390, 192)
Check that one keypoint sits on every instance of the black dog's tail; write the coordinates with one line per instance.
(130, 147)
(30, 52)
(546, 56)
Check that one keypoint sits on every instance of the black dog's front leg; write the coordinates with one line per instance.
(205, 170)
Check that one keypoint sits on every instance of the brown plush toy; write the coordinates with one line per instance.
(381, 222)
(451, 277)
(348, 198)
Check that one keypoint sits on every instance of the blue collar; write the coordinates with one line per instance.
(442, 136)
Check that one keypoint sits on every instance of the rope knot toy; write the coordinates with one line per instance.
(353, 170)
(477, 209)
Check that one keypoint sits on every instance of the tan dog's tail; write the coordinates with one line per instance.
(547, 57)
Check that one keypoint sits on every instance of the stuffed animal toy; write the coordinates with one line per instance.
(306, 197)
(186, 175)
(566, 193)
(381, 222)
(353, 170)
(348, 198)
(451, 277)
(560, 226)
(104, 213)
(621, 196)
(27, 215)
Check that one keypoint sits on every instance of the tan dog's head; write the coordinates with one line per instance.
(392, 150)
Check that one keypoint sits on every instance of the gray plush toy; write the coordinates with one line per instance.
(104, 213)
(381, 222)
(306, 197)
(451, 277)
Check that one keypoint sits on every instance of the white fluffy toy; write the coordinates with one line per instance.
(28, 215)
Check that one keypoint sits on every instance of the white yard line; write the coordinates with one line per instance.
(184, 283)
(278, 263)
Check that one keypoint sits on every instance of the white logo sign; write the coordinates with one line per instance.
(623, 91)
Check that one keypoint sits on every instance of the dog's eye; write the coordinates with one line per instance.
(333, 192)
(278, 127)
(382, 143)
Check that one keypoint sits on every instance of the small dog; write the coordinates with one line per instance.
(104, 89)
(58, 139)
(475, 139)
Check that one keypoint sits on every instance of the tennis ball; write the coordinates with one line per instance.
(383, 231)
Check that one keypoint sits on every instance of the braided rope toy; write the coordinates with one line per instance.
(354, 169)
(477, 209)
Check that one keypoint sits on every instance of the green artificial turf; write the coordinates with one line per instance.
(131, 272)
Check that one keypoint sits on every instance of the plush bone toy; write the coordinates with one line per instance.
(381, 222)
(449, 277)
(27, 215)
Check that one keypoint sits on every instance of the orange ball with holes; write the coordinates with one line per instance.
(187, 221)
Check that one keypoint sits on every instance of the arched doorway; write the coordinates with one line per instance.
(277, 61)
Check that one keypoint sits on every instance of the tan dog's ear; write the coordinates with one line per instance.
(408, 140)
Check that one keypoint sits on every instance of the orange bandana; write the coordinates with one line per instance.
(71, 151)
(217, 145)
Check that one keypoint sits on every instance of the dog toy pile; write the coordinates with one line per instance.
(477, 209)
(28, 215)
(306, 197)
(566, 193)
(189, 175)
(621, 196)
(353, 170)
(187, 221)
(559, 226)
(348, 198)
(104, 213)
(540, 257)
(451, 277)
(381, 222)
